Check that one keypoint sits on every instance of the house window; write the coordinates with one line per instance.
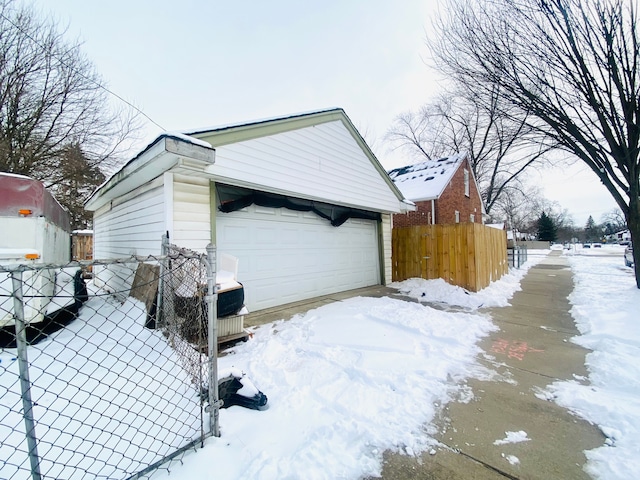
(466, 182)
(472, 218)
(457, 216)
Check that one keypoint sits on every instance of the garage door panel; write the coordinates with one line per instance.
(264, 211)
(287, 256)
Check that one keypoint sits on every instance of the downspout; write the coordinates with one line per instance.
(433, 212)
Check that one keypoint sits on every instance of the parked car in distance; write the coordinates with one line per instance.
(597, 245)
(628, 256)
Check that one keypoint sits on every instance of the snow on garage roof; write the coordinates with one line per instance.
(426, 180)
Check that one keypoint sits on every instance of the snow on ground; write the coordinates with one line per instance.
(348, 381)
(351, 379)
(513, 437)
(90, 368)
(605, 307)
(345, 382)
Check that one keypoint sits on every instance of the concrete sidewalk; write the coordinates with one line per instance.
(530, 351)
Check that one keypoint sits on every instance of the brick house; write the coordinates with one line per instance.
(444, 191)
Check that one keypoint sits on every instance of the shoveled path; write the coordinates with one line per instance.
(530, 351)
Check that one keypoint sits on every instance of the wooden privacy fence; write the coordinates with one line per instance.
(469, 255)
(82, 245)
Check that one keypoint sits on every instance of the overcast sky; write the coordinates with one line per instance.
(194, 64)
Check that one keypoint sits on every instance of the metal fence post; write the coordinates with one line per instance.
(212, 330)
(164, 250)
(23, 366)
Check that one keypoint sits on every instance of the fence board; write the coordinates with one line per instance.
(469, 255)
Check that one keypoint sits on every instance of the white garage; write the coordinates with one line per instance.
(300, 200)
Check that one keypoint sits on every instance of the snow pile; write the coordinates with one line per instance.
(497, 294)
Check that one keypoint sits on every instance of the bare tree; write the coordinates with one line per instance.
(499, 145)
(571, 67)
(50, 99)
(613, 221)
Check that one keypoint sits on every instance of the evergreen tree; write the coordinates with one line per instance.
(591, 231)
(547, 230)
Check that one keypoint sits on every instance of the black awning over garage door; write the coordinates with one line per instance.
(233, 198)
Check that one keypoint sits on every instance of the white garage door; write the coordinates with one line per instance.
(286, 256)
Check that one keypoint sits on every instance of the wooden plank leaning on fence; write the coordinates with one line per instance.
(469, 255)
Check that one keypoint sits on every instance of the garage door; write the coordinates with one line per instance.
(286, 256)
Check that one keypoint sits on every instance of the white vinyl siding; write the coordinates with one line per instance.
(133, 227)
(323, 162)
(191, 212)
(286, 256)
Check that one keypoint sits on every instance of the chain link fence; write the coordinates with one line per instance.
(106, 366)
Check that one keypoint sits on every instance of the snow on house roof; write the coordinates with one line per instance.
(497, 226)
(426, 180)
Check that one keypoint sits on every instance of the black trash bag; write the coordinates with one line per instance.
(235, 388)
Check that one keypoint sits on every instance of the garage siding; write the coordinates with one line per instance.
(132, 227)
(286, 256)
(191, 212)
(323, 162)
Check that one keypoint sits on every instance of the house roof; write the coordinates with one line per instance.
(426, 180)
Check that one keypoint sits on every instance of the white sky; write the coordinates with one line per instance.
(200, 63)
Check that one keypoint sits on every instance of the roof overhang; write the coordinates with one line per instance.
(168, 152)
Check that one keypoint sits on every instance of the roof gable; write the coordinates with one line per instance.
(426, 180)
(318, 156)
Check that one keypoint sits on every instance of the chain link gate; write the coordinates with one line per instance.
(96, 383)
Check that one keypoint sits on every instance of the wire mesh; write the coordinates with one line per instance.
(115, 362)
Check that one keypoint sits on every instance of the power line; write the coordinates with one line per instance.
(98, 84)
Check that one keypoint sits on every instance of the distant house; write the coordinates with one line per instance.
(623, 237)
(444, 191)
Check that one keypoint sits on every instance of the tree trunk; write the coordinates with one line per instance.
(634, 227)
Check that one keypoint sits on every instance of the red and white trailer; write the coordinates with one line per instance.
(34, 229)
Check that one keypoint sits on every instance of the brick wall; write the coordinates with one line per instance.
(422, 216)
(452, 199)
